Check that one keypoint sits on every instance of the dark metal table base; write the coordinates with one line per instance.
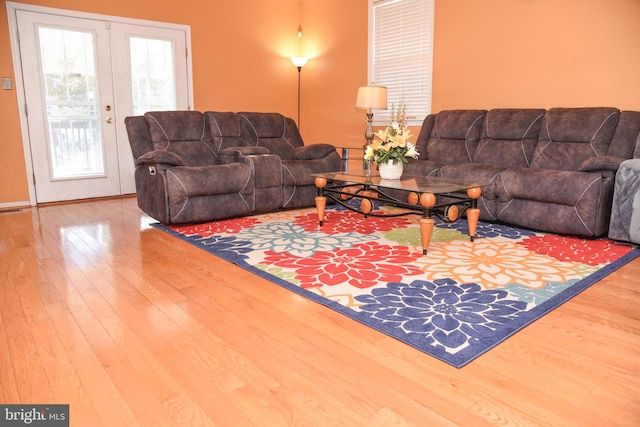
(444, 206)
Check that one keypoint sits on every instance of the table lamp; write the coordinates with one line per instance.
(371, 98)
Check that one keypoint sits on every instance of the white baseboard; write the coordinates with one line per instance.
(14, 205)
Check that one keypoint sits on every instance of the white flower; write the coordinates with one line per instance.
(412, 151)
(396, 127)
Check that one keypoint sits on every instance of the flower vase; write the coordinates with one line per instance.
(390, 170)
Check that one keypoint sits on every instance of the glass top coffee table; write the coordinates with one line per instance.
(445, 198)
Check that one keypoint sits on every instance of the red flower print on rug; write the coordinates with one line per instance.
(228, 226)
(364, 265)
(337, 222)
(567, 248)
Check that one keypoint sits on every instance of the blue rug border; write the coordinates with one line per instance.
(459, 359)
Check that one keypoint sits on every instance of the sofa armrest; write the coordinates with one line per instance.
(235, 154)
(244, 151)
(601, 163)
(313, 151)
(159, 157)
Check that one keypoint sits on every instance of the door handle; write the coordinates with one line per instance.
(107, 108)
(109, 120)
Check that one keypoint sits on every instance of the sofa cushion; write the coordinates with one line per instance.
(558, 201)
(138, 134)
(183, 133)
(209, 180)
(545, 185)
(626, 141)
(481, 174)
(569, 136)
(206, 193)
(267, 130)
(509, 137)
(423, 167)
(167, 126)
(454, 136)
(313, 151)
(298, 185)
(225, 129)
(278, 146)
(263, 125)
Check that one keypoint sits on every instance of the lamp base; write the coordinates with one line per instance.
(368, 135)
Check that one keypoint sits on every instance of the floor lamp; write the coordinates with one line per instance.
(371, 98)
(299, 62)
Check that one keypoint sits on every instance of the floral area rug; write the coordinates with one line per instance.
(455, 303)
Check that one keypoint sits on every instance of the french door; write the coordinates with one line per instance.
(82, 77)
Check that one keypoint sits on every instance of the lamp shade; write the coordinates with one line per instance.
(372, 97)
(299, 61)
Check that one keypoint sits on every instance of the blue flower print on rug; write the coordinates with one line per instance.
(229, 248)
(485, 229)
(444, 313)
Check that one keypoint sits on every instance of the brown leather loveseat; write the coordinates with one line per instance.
(196, 167)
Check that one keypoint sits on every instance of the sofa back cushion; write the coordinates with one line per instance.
(453, 138)
(569, 136)
(138, 133)
(225, 129)
(277, 133)
(509, 137)
(183, 133)
(626, 141)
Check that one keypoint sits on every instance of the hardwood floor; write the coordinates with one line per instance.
(133, 327)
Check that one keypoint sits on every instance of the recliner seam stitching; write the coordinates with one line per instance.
(185, 192)
(163, 132)
(596, 132)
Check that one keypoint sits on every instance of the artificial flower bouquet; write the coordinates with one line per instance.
(393, 143)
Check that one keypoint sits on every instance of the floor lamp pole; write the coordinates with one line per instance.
(299, 72)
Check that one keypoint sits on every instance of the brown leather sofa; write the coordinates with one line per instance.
(550, 170)
(625, 211)
(196, 167)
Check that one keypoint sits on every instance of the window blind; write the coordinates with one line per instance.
(401, 54)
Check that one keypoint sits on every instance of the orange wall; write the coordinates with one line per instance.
(542, 53)
(494, 53)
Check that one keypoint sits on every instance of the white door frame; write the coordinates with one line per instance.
(12, 7)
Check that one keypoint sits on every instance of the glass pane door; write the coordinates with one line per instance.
(82, 77)
(152, 75)
(71, 103)
(66, 66)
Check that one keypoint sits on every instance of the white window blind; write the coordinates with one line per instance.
(401, 54)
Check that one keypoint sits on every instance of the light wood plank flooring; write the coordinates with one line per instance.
(132, 327)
